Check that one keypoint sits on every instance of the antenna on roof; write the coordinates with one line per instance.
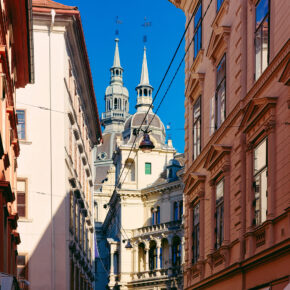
(117, 21)
(146, 24)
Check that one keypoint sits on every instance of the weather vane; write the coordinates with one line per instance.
(146, 24)
(117, 21)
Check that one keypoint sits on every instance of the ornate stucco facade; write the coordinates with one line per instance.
(139, 233)
(59, 128)
(237, 144)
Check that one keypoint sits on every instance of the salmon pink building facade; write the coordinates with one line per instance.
(16, 70)
(237, 144)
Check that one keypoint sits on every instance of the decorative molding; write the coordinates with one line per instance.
(221, 13)
(218, 43)
(195, 85)
(215, 154)
(197, 61)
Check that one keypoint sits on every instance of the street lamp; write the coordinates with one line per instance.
(146, 145)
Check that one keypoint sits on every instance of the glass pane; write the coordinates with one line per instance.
(258, 52)
(219, 191)
(260, 156)
(263, 195)
(20, 198)
(196, 215)
(221, 70)
(197, 16)
(265, 41)
(261, 11)
(147, 168)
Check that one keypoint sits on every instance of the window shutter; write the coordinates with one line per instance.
(212, 116)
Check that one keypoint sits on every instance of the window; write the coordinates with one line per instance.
(160, 257)
(262, 36)
(96, 211)
(21, 198)
(220, 97)
(115, 104)
(175, 211)
(158, 215)
(219, 214)
(195, 234)
(21, 124)
(197, 29)
(147, 168)
(22, 269)
(152, 256)
(180, 209)
(176, 252)
(71, 211)
(260, 182)
(152, 216)
(219, 4)
(196, 128)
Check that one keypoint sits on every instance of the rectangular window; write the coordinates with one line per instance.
(262, 36)
(196, 128)
(219, 214)
(220, 96)
(21, 198)
(147, 168)
(219, 4)
(71, 211)
(22, 268)
(260, 182)
(195, 234)
(21, 124)
(197, 29)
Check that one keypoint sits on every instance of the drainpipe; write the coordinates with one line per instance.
(50, 147)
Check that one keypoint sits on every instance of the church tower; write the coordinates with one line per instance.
(116, 98)
(144, 89)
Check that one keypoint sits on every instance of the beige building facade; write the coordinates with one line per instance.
(59, 128)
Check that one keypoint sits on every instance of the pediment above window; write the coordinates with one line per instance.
(194, 182)
(258, 110)
(197, 61)
(217, 157)
(221, 13)
(195, 85)
(285, 76)
(218, 43)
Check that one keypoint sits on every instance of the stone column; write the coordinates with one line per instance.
(182, 250)
(136, 258)
(146, 258)
(158, 254)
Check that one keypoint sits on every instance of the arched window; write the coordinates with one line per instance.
(158, 215)
(164, 253)
(180, 210)
(119, 105)
(176, 252)
(116, 263)
(145, 92)
(152, 216)
(175, 211)
(115, 104)
(152, 256)
(117, 72)
(141, 92)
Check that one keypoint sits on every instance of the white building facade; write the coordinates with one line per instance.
(59, 126)
(141, 241)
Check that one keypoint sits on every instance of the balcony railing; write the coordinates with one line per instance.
(157, 228)
(115, 114)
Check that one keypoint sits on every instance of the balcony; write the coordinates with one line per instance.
(117, 114)
(160, 228)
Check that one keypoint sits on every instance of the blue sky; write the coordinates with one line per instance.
(167, 26)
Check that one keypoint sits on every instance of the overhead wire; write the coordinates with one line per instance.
(117, 184)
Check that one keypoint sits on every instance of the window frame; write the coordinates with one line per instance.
(195, 234)
(196, 29)
(25, 180)
(25, 267)
(219, 208)
(197, 145)
(18, 123)
(150, 167)
(218, 107)
(258, 221)
(268, 14)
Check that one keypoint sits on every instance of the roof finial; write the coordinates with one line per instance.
(144, 74)
(117, 56)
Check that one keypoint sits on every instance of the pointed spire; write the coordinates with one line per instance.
(116, 56)
(144, 74)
